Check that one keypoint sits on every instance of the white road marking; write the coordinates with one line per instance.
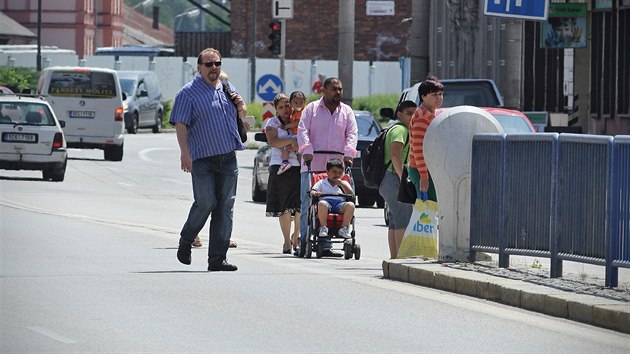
(53, 335)
(144, 154)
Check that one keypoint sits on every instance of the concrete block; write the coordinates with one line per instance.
(445, 282)
(511, 296)
(399, 272)
(580, 311)
(495, 291)
(466, 286)
(612, 316)
(533, 301)
(556, 306)
(422, 277)
(386, 269)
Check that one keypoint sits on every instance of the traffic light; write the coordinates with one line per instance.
(275, 35)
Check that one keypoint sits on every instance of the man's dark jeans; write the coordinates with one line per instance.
(214, 187)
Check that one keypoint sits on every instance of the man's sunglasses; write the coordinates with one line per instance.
(210, 64)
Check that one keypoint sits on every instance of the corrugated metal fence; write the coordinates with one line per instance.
(565, 197)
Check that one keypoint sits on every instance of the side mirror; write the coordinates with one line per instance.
(387, 113)
(124, 95)
(260, 137)
(62, 123)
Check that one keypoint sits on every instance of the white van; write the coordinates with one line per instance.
(91, 102)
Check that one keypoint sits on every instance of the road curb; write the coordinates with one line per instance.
(588, 309)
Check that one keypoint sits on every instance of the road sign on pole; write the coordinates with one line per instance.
(535, 10)
(282, 9)
(268, 86)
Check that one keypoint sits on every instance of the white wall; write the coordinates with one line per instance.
(382, 77)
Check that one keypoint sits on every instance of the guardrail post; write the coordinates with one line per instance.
(555, 269)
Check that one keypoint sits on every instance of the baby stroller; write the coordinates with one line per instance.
(334, 222)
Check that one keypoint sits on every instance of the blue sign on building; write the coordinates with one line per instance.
(268, 86)
(535, 10)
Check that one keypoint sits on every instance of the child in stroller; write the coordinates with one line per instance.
(332, 209)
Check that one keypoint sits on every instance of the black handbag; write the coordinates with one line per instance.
(239, 122)
(407, 191)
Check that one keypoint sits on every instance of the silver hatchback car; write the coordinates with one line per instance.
(31, 137)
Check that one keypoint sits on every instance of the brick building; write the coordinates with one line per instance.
(313, 31)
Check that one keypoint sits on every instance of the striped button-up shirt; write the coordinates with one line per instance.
(210, 117)
(320, 130)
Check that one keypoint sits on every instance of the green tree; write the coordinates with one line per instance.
(18, 79)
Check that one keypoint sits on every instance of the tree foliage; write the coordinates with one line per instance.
(18, 79)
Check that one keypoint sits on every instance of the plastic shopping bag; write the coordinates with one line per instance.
(421, 235)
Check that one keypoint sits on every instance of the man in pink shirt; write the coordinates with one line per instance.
(327, 129)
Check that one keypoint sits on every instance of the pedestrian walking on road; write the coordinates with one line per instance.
(208, 137)
(397, 152)
(431, 93)
(283, 191)
(327, 130)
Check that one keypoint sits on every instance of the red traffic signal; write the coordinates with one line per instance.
(275, 36)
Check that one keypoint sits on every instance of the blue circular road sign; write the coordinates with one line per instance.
(268, 86)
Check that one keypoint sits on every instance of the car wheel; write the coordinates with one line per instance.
(157, 128)
(366, 201)
(257, 194)
(133, 129)
(113, 153)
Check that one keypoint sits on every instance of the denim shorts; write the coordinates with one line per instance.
(334, 204)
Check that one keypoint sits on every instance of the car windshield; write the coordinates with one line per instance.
(480, 94)
(513, 124)
(25, 113)
(367, 126)
(127, 86)
(86, 84)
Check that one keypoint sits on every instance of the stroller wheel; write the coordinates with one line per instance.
(357, 251)
(309, 249)
(320, 250)
(347, 250)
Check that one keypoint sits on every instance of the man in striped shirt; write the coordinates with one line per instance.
(431, 93)
(207, 134)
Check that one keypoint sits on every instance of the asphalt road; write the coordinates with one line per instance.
(89, 265)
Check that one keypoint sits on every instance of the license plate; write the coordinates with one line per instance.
(81, 114)
(19, 138)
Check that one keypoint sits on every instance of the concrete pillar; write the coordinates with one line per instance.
(511, 54)
(346, 48)
(448, 153)
(419, 40)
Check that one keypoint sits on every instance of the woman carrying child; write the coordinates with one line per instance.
(283, 190)
(297, 101)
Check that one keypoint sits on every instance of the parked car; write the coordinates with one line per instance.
(368, 129)
(32, 137)
(5, 91)
(458, 92)
(143, 105)
(92, 102)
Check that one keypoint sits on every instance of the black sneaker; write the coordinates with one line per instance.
(221, 266)
(183, 253)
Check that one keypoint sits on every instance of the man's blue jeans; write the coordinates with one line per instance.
(214, 188)
(305, 187)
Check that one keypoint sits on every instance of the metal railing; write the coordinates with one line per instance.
(565, 197)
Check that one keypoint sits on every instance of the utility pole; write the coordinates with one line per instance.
(252, 87)
(283, 41)
(346, 48)
(419, 40)
(39, 36)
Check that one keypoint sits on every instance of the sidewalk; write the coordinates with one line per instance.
(578, 296)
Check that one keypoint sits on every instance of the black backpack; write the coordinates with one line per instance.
(373, 164)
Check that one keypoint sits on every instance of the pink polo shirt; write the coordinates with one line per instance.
(320, 130)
